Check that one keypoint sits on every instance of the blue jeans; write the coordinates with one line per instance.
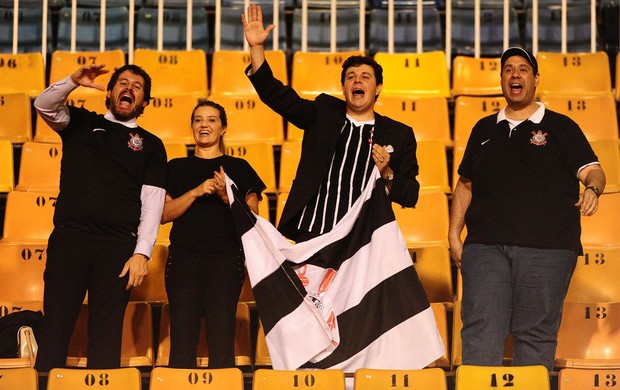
(516, 290)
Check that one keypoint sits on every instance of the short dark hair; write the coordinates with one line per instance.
(358, 60)
(135, 69)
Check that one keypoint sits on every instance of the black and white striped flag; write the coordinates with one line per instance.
(347, 299)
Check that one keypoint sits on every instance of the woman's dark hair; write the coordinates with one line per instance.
(135, 69)
(223, 119)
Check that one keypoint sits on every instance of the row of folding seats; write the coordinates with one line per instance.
(586, 338)
(408, 79)
(28, 223)
(348, 34)
(465, 378)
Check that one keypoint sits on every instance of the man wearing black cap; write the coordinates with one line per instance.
(518, 194)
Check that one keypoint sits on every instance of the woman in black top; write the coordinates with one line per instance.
(205, 272)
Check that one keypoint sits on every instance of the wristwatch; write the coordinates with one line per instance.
(594, 189)
(389, 176)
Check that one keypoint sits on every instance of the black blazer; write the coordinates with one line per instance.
(322, 119)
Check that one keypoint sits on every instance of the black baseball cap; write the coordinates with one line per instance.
(517, 51)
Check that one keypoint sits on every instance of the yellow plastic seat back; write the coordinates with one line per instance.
(476, 76)
(375, 379)
(314, 73)
(433, 164)
(468, 110)
(19, 378)
(517, 378)
(112, 379)
(22, 267)
(175, 71)
(574, 73)
(596, 275)
(164, 378)
(260, 157)
(40, 167)
(7, 166)
(289, 160)
(331, 379)
(16, 123)
(22, 73)
(29, 216)
(587, 379)
(169, 117)
(228, 67)
(415, 74)
(603, 228)
(428, 116)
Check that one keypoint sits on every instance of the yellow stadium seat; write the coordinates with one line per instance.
(93, 102)
(264, 379)
(175, 71)
(608, 153)
(64, 63)
(153, 289)
(432, 263)
(169, 117)
(314, 73)
(490, 377)
(137, 344)
(414, 225)
(428, 116)
(574, 73)
(441, 318)
(476, 76)
(596, 115)
(603, 228)
(29, 216)
(243, 345)
(250, 120)
(25, 378)
(587, 379)
(596, 276)
(16, 123)
(7, 166)
(589, 336)
(40, 167)
(289, 160)
(22, 73)
(433, 164)
(468, 110)
(261, 355)
(22, 266)
(164, 378)
(260, 157)
(415, 74)
(175, 150)
(375, 379)
(229, 66)
(114, 378)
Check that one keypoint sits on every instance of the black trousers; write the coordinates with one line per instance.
(203, 285)
(76, 264)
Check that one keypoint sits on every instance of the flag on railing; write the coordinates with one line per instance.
(347, 299)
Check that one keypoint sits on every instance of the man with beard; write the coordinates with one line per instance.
(107, 214)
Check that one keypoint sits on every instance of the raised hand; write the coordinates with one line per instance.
(255, 32)
(86, 75)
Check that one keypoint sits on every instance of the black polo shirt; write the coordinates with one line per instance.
(524, 184)
(104, 166)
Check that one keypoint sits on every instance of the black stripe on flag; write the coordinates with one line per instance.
(378, 314)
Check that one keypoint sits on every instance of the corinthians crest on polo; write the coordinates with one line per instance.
(135, 143)
(539, 138)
